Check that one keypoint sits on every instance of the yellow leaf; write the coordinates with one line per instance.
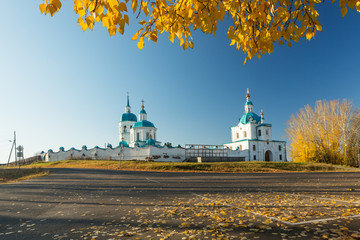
(56, 3)
(121, 30)
(51, 9)
(90, 21)
(136, 35)
(246, 59)
(82, 24)
(191, 44)
(153, 37)
(190, 13)
(351, 4)
(99, 9)
(342, 3)
(126, 18)
(343, 11)
(318, 27)
(122, 7)
(358, 6)
(259, 55)
(42, 8)
(134, 5)
(309, 34)
(172, 37)
(112, 30)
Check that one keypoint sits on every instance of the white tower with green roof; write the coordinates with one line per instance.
(253, 137)
(125, 125)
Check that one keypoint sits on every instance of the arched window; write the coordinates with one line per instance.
(254, 147)
(237, 135)
(259, 133)
(279, 147)
(137, 136)
(280, 157)
(124, 128)
(245, 135)
(254, 157)
(240, 147)
(147, 136)
(154, 137)
(267, 132)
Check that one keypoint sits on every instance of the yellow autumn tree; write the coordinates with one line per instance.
(254, 27)
(329, 133)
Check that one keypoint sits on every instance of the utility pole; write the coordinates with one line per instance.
(12, 147)
(15, 147)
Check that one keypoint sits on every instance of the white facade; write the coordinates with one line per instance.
(253, 137)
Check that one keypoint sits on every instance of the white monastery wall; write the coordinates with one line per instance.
(160, 154)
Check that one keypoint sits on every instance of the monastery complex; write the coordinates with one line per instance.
(251, 140)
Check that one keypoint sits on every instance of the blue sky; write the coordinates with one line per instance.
(62, 87)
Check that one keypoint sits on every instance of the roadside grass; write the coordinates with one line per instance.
(193, 167)
(15, 174)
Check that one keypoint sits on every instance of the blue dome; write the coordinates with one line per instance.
(249, 103)
(142, 111)
(250, 117)
(150, 141)
(128, 117)
(143, 123)
(124, 143)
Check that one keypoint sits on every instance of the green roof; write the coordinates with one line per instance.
(128, 117)
(249, 103)
(142, 111)
(151, 141)
(124, 143)
(250, 117)
(143, 123)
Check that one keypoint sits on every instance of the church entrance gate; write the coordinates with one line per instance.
(268, 156)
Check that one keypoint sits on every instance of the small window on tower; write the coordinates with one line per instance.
(267, 132)
(137, 136)
(259, 133)
(147, 136)
(245, 134)
(267, 142)
(237, 135)
(280, 157)
(125, 129)
(279, 147)
(240, 147)
(254, 157)
(254, 148)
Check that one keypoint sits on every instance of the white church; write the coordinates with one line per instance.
(251, 140)
(253, 136)
(136, 133)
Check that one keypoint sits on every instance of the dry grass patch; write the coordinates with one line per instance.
(14, 174)
(192, 167)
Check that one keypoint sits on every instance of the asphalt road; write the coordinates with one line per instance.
(105, 204)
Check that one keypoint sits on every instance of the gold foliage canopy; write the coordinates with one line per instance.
(327, 133)
(256, 24)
